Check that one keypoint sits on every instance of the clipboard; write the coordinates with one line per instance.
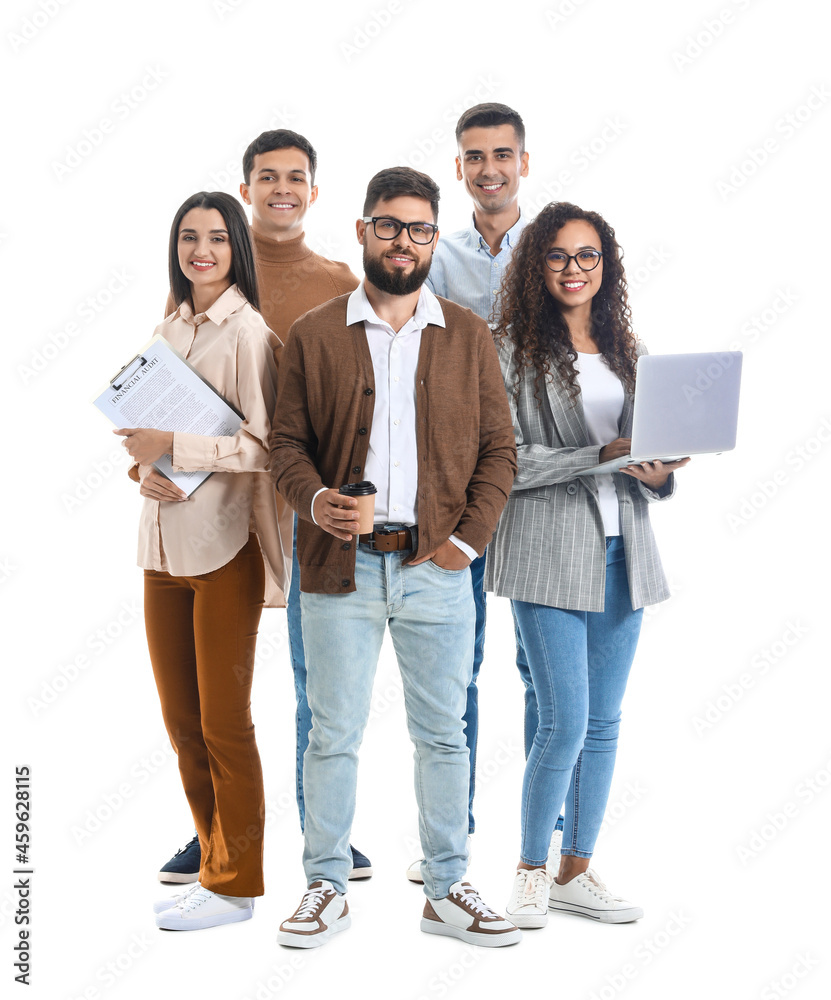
(160, 389)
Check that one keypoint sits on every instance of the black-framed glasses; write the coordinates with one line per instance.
(586, 260)
(387, 228)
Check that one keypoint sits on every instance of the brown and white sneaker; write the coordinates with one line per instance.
(463, 914)
(322, 913)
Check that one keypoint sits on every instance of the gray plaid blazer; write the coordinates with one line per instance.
(549, 546)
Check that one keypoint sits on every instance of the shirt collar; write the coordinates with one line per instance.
(230, 300)
(509, 239)
(428, 310)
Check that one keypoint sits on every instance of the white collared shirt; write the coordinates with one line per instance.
(392, 460)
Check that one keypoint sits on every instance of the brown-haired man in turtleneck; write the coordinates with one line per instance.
(279, 184)
(279, 170)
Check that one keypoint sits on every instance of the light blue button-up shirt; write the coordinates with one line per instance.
(465, 271)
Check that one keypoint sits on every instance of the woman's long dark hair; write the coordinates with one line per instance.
(242, 273)
(532, 320)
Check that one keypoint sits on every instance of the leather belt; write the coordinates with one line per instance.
(391, 538)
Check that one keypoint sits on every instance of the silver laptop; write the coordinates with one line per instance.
(685, 404)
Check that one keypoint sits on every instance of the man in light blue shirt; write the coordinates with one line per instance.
(468, 265)
(467, 268)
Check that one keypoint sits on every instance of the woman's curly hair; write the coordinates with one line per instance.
(532, 320)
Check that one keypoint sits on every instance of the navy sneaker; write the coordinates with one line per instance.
(184, 865)
(361, 865)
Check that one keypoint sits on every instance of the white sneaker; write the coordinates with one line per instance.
(587, 895)
(553, 863)
(166, 904)
(528, 905)
(202, 908)
(463, 914)
(322, 913)
(413, 872)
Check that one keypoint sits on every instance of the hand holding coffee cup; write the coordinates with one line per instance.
(341, 514)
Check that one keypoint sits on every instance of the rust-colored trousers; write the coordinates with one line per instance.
(201, 632)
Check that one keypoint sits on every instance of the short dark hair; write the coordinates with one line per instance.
(242, 273)
(489, 116)
(278, 138)
(400, 182)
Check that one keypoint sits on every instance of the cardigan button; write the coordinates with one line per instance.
(356, 469)
(346, 545)
(367, 392)
(344, 583)
(362, 430)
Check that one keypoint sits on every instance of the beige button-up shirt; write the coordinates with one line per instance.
(231, 346)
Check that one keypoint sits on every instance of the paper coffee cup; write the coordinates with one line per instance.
(364, 492)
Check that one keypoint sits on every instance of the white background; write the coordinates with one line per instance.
(652, 110)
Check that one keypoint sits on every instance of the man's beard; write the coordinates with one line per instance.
(397, 282)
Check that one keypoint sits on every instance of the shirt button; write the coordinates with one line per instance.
(356, 469)
(396, 378)
(362, 430)
(397, 464)
(496, 263)
(571, 488)
(396, 422)
(395, 507)
(496, 291)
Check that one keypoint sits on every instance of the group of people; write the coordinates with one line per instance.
(472, 379)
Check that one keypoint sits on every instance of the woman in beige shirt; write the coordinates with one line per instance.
(212, 560)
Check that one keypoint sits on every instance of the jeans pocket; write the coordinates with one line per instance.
(447, 572)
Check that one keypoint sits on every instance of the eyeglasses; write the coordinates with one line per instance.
(586, 260)
(386, 228)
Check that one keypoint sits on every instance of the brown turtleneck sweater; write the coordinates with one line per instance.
(292, 280)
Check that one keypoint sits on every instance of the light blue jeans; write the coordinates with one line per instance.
(579, 663)
(532, 715)
(431, 617)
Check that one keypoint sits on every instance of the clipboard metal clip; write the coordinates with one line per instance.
(142, 361)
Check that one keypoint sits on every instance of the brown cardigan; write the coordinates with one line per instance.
(320, 438)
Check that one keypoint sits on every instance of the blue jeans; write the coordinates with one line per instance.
(477, 576)
(303, 717)
(431, 618)
(531, 717)
(579, 663)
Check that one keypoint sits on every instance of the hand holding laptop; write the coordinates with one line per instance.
(651, 474)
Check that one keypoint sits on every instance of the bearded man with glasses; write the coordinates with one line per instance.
(393, 385)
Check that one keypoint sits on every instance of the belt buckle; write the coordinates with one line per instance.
(389, 529)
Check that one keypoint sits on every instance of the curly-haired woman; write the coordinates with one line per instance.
(575, 553)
